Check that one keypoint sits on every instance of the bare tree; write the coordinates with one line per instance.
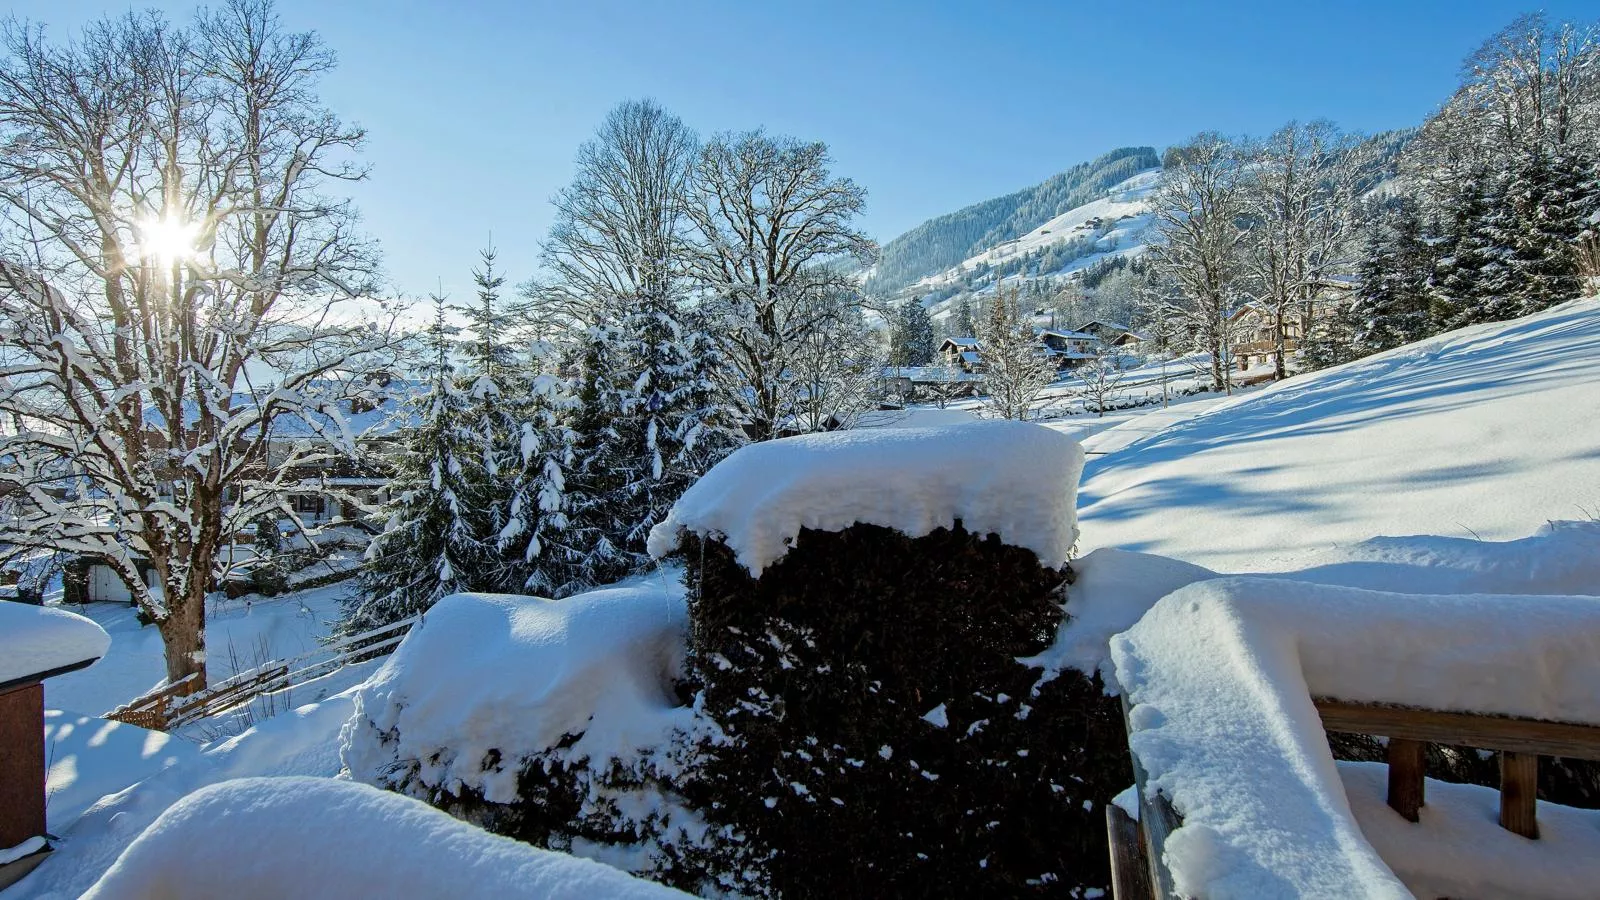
(773, 223)
(1098, 381)
(621, 227)
(836, 371)
(1015, 368)
(1198, 216)
(1299, 197)
(172, 263)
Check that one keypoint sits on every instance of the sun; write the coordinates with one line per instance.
(169, 240)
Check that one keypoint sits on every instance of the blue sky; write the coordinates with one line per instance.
(475, 108)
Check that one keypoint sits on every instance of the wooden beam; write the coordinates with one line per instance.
(1130, 869)
(22, 770)
(1505, 733)
(1407, 767)
(1157, 820)
(1519, 788)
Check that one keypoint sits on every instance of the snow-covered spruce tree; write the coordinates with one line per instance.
(175, 192)
(433, 542)
(961, 323)
(536, 529)
(1471, 276)
(911, 340)
(1015, 368)
(1550, 199)
(642, 424)
(1392, 304)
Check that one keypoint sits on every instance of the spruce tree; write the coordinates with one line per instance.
(1392, 301)
(432, 542)
(1472, 278)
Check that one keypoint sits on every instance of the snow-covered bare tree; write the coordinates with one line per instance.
(1198, 211)
(1299, 196)
(174, 261)
(837, 371)
(771, 218)
(1098, 381)
(1015, 368)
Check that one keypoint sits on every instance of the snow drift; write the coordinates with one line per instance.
(319, 837)
(1011, 479)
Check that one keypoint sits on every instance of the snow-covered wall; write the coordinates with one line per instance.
(1011, 479)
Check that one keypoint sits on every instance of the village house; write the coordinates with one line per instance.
(1112, 334)
(1069, 349)
(961, 353)
(1252, 334)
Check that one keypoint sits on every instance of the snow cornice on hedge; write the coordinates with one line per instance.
(1012, 479)
(1220, 677)
(39, 640)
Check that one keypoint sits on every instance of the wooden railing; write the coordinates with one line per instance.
(175, 705)
(1136, 848)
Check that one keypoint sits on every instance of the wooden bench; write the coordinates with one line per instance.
(1136, 848)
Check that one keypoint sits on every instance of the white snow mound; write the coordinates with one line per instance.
(1220, 677)
(1011, 479)
(516, 674)
(37, 639)
(320, 837)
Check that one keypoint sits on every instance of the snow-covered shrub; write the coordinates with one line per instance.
(547, 721)
(879, 736)
(859, 606)
(320, 837)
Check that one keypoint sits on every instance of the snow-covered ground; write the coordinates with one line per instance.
(1487, 432)
(240, 634)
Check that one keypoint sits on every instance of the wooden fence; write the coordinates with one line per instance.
(178, 704)
(1137, 871)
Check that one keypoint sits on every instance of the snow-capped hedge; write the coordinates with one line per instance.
(37, 639)
(535, 718)
(1240, 749)
(1011, 479)
(319, 837)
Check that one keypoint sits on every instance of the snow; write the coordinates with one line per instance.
(28, 847)
(513, 674)
(1129, 199)
(38, 639)
(1485, 432)
(318, 837)
(915, 417)
(1011, 479)
(1220, 675)
(240, 634)
(108, 781)
(1458, 849)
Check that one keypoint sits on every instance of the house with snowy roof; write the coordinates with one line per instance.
(962, 353)
(1069, 349)
(1112, 334)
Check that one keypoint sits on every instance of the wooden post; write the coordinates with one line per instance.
(22, 770)
(1519, 790)
(1130, 874)
(1407, 767)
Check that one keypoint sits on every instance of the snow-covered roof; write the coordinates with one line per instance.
(971, 356)
(35, 640)
(322, 837)
(1220, 678)
(1068, 335)
(961, 341)
(990, 475)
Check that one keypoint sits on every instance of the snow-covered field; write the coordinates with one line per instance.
(1434, 469)
(1483, 433)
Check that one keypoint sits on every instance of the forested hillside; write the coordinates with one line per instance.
(942, 242)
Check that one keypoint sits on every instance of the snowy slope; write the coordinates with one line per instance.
(1486, 432)
(1123, 215)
